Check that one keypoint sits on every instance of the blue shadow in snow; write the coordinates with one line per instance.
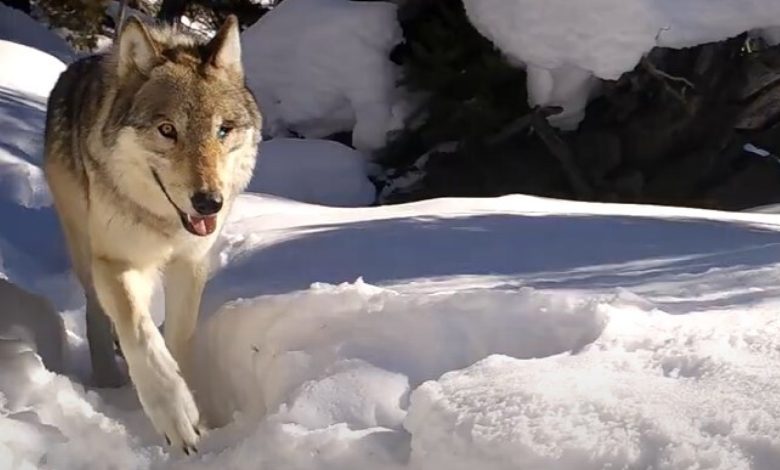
(528, 248)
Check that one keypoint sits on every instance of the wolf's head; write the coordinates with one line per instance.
(184, 118)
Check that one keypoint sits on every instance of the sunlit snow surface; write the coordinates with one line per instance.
(503, 333)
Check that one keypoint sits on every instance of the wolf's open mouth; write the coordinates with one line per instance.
(196, 225)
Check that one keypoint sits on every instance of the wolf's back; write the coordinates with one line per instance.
(72, 110)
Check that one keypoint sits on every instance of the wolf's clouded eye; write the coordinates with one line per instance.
(167, 130)
(223, 131)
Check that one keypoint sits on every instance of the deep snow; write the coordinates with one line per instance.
(502, 333)
(570, 335)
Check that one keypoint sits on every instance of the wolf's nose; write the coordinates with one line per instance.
(206, 202)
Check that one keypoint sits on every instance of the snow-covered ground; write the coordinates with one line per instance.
(503, 333)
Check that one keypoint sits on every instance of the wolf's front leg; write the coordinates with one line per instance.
(125, 293)
(184, 281)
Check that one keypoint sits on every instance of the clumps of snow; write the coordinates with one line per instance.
(18, 27)
(563, 44)
(46, 420)
(313, 171)
(654, 391)
(319, 67)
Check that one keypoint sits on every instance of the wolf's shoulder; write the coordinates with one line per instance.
(83, 68)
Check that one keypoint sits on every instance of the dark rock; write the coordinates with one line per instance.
(755, 185)
(629, 184)
(680, 178)
(597, 153)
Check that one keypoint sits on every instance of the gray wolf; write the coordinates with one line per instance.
(146, 148)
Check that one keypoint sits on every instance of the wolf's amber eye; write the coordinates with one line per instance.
(223, 132)
(167, 130)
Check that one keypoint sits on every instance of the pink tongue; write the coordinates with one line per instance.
(204, 225)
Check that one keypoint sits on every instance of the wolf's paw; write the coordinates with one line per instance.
(166, 399)
(172, 410)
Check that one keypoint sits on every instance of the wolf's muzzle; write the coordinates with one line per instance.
(200, 226)
(206, 202)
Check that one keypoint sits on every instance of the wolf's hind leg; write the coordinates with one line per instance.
(71, 204)
(105, 371)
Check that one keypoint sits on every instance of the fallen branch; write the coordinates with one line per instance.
(558, 147)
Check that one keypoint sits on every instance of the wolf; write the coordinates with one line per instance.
(146, 148)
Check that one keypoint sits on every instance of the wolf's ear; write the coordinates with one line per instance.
(225, 48)
(136, 49)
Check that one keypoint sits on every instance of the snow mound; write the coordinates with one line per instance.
(41, 70)
(319, 67)
(314, 171)
(31, 248)
(18, 27)
(654, 391)
(563, 43)
(22, 117)
(349, 353)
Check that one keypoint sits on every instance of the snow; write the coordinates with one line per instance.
(489, 333)
(18, 27)
(319, 67)
(21, 124)
(654, 391)
(564, 44)
(314, 171)
(42, 69)
(495, 333)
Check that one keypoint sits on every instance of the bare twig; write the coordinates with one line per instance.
(119, 21)
(660, 31)
(666, 78)
(521, 123)
(660, 73)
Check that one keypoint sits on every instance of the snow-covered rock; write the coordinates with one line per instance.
(563, 43)
(314, 171)
(322, 66)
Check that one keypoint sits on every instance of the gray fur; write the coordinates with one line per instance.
(131, 136)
